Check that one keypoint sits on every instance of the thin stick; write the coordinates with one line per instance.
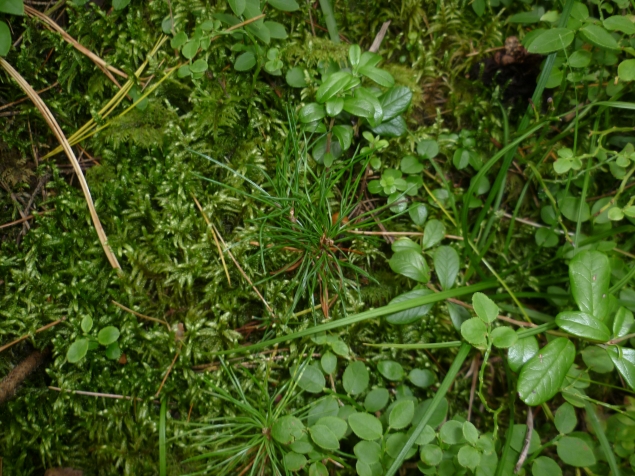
(52, 123)
(220, 252)
(168, 372)
(22, 220)
(95, 394)
(385, 233)
(26, 336)
(527, 442)
(51, 25)
(15, 103)
(142, 316)
(210, 224)
(380, 37)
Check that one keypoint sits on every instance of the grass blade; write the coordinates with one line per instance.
(443, 389)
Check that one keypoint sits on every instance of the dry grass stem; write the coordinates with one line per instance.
(26, 336)
(52, 123)
(142, 316)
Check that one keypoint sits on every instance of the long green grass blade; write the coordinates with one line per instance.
(443, 389)
(364, 316)
(601, 436)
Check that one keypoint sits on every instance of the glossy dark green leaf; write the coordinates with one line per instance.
(355, 378)
(446, 265)
(395, 101)
(411, 264)
(358, 107)
(365, 426)
(597, 359)
(311, 112)
(575, 452)
(395, 127)
(583, 325)
(14, 7)
(413, 314)
(333, 85)
(624, 360)
(623, 322)
(523, 350)
(542, 376)
(380, 76)
(590, 274)
(344, 135)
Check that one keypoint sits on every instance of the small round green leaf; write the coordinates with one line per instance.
(367, 451)
(421, 378)
(401, 414)
(245, 62)
(355, 378)
(626, 70)
(5, 39)
(418, 213)
(87, 324)
(324, 437)
(391, 370)
(365, 426)
(545, 466)
(77, 351)
(431, 455)
(452, 432)
(337, 425)
(329, 362)
(575, 452)
(474, 331)
(376, 399)
(484, 307)
(294, 461)
(108, 335)
(469, 457)
(113, 351)
(312, 379)
(318, 469)
(295, 78)
(565, 418)
(504, 337)
(470, 433)
(287, 429)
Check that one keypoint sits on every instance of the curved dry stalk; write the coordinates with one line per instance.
(51, 25)
(52, 123)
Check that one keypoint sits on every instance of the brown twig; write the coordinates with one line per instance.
(527, 442)
(168, 372)
(22, 220)
(142, 316)
(15, 103)
(26, 336)
(19, 373)
(374, 48)
(96, 394)
(52, 123)
(51, 25)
